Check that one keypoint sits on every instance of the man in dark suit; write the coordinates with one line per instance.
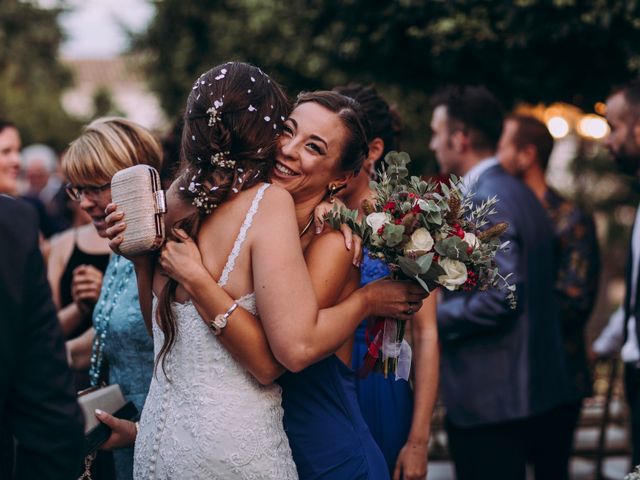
(38, 408)
(623, 115)
(502, 368)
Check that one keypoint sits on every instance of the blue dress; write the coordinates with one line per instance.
(386, 404)
(328, 436)
(127, 346)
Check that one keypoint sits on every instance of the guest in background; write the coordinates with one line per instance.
(40, 167)
(37, 402)
(388, 405)
(622, 332)
(524, 150)
(77, 260)
(502, 368)
(106, 146)
(9, 157)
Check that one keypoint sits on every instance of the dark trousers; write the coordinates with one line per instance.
(495, 452)
(632, 391)
(501, 451)
(550, 441)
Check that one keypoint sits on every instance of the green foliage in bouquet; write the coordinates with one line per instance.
(428, 231)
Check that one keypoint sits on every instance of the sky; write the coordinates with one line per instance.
(94, 27)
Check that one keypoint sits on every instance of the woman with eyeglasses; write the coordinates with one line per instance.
(120, 341)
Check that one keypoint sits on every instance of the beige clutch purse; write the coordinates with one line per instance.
(137, 192)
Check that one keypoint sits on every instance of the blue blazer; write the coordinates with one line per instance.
(500, 364)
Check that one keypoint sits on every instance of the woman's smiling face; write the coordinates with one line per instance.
(310, 151)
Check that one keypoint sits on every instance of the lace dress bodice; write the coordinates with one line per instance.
(206, 417)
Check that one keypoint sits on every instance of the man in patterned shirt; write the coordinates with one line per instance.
(524, 150)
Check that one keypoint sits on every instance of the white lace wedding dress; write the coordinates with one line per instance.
(208, 418)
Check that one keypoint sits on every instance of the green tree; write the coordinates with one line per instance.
(524, 50)
(31, 76)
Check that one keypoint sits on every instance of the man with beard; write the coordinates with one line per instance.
(524, 150)
(623, 115)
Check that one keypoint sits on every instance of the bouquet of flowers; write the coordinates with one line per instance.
(428, 232)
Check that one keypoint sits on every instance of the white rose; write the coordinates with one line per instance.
(377, 219)
(471, 240)
(455, 274)
(420, 243)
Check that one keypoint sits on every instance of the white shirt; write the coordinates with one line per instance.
(471, 177)
(611, 338)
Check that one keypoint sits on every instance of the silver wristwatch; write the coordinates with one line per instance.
(220, 320)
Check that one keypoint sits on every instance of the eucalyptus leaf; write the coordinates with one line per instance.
(424, 262)
(409, 267)
(393, 234)
(422, 283)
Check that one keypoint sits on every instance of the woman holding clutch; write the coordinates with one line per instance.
(119, 339)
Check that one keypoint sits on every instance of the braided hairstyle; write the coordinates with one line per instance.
(233, 117)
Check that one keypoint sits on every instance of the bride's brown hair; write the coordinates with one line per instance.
(233, 116)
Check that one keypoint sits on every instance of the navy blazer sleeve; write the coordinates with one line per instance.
(464, 314)
(40, 405)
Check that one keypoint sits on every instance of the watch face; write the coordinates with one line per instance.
(218, 323)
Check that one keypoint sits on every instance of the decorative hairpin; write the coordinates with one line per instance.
(202, 201)
(214, 113)
(220, 160)
(214, 116)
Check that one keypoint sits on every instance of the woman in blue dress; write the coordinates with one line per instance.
(388, 404)
(121, 344)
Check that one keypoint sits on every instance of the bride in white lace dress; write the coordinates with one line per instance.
(206, 417)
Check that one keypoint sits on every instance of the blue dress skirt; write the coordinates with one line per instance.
(386, 404)
(328, 436)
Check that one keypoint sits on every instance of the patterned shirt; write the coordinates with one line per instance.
(578, 263)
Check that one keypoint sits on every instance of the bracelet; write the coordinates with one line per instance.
(220, 320)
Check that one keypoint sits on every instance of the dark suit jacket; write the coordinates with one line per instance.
(37, 402)
(628, 311)
(500, 364)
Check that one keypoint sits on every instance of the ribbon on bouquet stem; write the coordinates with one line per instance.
(395, 349)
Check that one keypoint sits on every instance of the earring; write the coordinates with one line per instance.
(333, 189)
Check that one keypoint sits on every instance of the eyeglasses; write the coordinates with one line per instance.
(75, 192)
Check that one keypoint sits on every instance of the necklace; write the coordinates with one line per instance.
(103, 314)
(306, 227)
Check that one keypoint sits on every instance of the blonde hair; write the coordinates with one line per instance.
(106, 146)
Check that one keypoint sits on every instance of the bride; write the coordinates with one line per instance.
(206, 415)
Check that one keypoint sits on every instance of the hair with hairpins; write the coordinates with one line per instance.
(233, 116)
